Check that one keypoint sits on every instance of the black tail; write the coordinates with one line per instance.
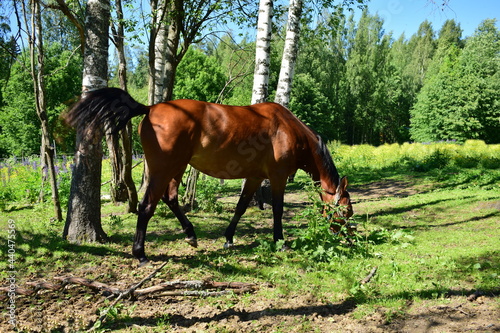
(111, 107)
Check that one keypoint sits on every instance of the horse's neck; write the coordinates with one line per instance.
(320, 173)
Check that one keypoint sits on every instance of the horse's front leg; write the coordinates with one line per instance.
(171, 198)
(249, 188)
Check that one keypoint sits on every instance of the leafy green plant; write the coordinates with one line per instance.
(318, 242)
(208, 189)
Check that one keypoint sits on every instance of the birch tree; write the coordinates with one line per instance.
(83, 220)
(157, 50)
(38, 72)
(289, 53)
(262, 52)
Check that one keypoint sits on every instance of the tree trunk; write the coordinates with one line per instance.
(38, 71)
(262, 52)
(157, 50)
(289, 53)
(289, 57)
(172, 45)
(118, 188)
(83, 221)
(261, 78)
(120, 152)
(127, 168)
(190, 194)
(160, 49)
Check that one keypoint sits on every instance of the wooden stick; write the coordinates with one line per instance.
(88, 283)
(203, 293)
(369, 276)
(128, 292)
(196, 284)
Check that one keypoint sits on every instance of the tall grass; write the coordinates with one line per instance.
(446, 161)
(471, 163)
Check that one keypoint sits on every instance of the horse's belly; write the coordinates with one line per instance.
(228, 166)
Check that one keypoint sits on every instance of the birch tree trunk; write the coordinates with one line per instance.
(157, 51)
(262, 52)
(289, 53)
(38, 72)
(83, 220)
(261, 79)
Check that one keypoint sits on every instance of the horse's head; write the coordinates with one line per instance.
(341, 202)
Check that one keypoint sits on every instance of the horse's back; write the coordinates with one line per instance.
(225, 141)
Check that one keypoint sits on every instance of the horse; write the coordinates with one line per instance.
(256, 142)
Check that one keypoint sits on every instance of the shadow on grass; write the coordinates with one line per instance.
(42, 247)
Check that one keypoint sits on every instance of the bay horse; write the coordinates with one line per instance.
(253, 142)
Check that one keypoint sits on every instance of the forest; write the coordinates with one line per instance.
(354, 82)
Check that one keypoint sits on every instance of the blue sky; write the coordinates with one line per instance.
(406, 15)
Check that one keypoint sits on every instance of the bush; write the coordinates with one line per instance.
(207, 189)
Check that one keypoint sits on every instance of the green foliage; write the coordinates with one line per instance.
(311, 106)
(472, 163)
(459, 100)
(22, 182)
(441, 234)
(198, 77)
(207, 191)
(19, 123)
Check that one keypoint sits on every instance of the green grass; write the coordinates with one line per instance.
(441, 239)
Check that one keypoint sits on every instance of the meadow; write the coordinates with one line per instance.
(425, 255)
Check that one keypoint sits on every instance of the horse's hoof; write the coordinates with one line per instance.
(228, 245)
(143, 262)
(285, 248)
(191, 241)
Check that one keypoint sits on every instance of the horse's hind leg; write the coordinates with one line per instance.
(154, 192)
(251, 185)
(171, 198)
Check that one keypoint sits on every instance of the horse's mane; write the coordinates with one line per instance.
(327, 161)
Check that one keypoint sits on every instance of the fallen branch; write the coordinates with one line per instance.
(369, 276)
(169, 288)
(128, 292)
(203, 293)
(95, 285)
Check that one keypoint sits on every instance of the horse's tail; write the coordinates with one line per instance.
(112, 107)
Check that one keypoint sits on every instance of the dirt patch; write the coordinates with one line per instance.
(384, 189)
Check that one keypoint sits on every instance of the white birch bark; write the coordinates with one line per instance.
(157, 51)
(289, 53)
(160, 51)
(262, 52)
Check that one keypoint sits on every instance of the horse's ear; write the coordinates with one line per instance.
(343, 183)
(342, 187)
